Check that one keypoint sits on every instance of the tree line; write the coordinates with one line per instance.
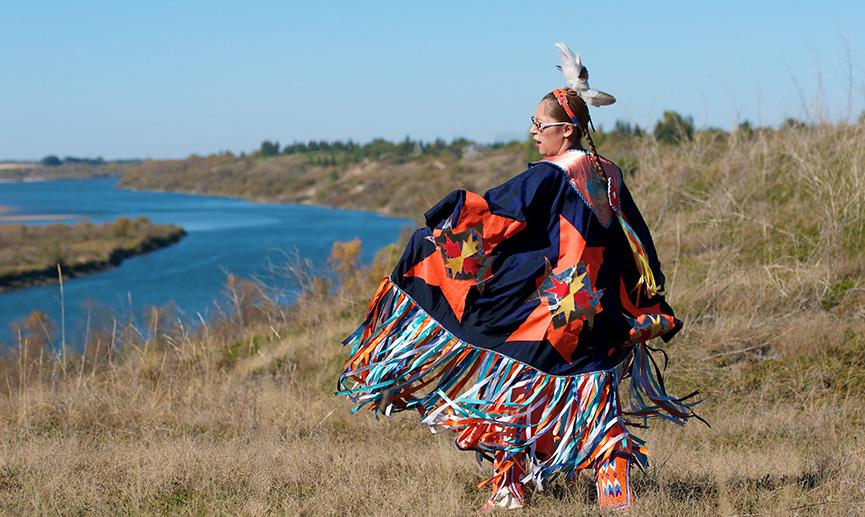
(378, 148)
(672, 128)
(53, 160)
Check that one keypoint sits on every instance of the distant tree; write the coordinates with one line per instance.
(88, 161)
(745, 129)
(861, 118)
(627, 129)
(458, 145)
(378, 148)
(51, 161)
(791, 123)
(406, 147)
(269, 148)
(673, 128)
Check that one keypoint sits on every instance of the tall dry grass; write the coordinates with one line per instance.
(761, 238)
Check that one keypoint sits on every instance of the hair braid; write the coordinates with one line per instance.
(595, 157)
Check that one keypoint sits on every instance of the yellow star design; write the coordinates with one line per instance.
(455, 264)
(566, 304)
(470, 246)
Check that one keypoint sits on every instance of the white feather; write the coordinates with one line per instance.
(572, 68)
(577, 78)
(597, 97)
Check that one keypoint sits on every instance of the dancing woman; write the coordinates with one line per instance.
(513, 317)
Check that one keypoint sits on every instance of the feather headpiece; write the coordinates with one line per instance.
(577, 78)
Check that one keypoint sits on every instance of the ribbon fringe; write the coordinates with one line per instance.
(402, 359)
(641, 258)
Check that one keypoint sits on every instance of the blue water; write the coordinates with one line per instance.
(225, 235)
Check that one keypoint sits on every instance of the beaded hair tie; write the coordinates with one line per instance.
(562, 96)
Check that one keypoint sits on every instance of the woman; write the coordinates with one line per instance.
(512, 317)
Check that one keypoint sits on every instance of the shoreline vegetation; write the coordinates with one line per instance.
(762, 238)
(29, 255)
(52, 167)
(398, 178)
(389, 185)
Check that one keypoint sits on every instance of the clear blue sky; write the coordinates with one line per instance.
(170, 78)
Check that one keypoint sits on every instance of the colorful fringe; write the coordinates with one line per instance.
(532, 424)
(641, 258)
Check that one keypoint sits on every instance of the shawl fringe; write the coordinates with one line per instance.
(403, 359)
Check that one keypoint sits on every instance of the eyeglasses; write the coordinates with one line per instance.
(540, 126)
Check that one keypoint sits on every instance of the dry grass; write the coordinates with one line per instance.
(762, 243)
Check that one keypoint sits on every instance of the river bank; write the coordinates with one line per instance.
(225, 237)
(36, 171)
(31, 255)
(403, 188)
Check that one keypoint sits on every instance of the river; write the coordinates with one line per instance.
(225, 235)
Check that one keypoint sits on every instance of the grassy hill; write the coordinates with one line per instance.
(761, 237)
(388, 183)
(382, 185)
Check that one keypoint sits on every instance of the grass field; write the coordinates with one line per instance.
(761, 238)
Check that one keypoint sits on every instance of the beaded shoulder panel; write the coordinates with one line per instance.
(590, 185)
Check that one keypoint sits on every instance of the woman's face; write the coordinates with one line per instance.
(550, 140)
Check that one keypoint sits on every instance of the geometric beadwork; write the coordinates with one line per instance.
(463, 253)
(614, 486)
(649, 326)
(570, 296)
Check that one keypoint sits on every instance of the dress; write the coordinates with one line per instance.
(511, 319)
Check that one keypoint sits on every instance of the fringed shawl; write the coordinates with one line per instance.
(513, 316)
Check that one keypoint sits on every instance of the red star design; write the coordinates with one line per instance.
(452, 249)
(496, 228)
(582, 298)
(538, 325)
(471, 265)
(560, 289)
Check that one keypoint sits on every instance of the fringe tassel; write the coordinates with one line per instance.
(539, 424)
(649, 396)
(641, 258)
